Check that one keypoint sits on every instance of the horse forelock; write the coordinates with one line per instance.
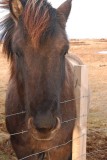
(40, 20)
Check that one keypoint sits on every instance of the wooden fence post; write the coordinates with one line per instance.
(82, 104)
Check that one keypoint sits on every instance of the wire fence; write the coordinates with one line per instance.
(101, 132)
(66, 121)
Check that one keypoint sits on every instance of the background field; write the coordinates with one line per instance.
(87, 50)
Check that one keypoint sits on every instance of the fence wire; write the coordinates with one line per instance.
(64, 144)
(64, 102)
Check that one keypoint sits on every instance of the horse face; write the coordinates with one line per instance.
(39, 62)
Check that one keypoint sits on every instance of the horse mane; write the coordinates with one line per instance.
(6, 27)
(39, 20)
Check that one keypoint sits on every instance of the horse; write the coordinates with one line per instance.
(41, 79)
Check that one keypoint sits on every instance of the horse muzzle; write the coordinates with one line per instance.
(43, 133)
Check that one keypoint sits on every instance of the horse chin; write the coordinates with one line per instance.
(43, 136)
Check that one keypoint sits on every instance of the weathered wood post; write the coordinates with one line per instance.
(82, 104)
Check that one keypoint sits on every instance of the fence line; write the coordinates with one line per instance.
(22, 132)
(14, 114)
(64, 102)
(91, 130)
(66, 121)
(67, 101)
(64, 144)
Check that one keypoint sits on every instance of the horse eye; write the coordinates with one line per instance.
(17, 54)
(65, 52)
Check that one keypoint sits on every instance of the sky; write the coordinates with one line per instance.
(88, 18)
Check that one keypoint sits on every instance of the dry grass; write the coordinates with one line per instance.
(87, 50)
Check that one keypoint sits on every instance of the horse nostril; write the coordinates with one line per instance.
(56, 126)
(43, 130)
(44, 122)
(41, 127)
(44, 126)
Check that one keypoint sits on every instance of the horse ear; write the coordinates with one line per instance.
(65, 8)
(16, 9)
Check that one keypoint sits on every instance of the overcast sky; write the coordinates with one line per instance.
(88, 18)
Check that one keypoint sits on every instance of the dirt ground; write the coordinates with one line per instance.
(87, 50)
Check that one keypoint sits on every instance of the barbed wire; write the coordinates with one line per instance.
(89, 131)
(67, 101)
(17, 133)
(14, 114)
(102, 129)
(58, 146)
(63, 102)
(66, 121)
(64, 144)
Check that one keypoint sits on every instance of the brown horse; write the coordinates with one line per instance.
(35, 41)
